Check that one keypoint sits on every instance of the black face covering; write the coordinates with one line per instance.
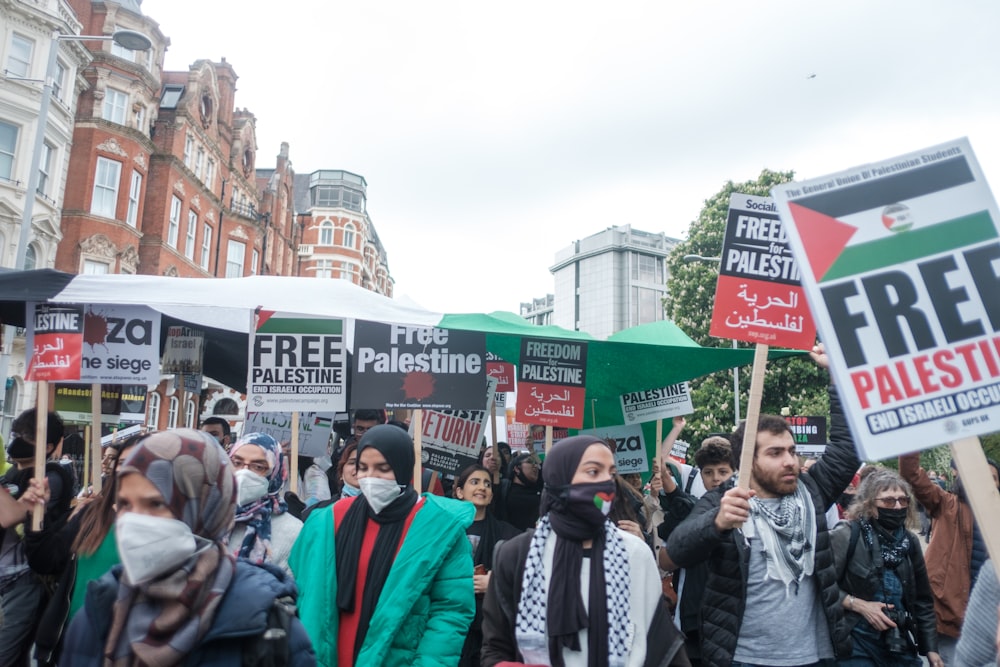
(845, 500)
(19, 448)
(891, 519)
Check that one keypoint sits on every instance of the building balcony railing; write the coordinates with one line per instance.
(245, 210)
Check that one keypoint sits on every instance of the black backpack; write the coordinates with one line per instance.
(272, 647)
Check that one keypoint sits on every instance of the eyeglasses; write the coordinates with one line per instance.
(258, 467)
(892, 501)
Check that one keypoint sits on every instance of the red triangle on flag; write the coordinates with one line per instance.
(264, 316)
(824, 237)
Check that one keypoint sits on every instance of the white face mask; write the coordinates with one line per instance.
(249, 486)
(151, 545)
(379, 492)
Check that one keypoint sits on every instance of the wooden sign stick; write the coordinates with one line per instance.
(974, 470)
(294, 454)
(753, 414)
(659, 442)
(548, 438)
(95, 437)
(493, 420)
(418, 432)
(86, 455)
(41, 436)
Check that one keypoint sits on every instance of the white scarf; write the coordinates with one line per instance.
(532, 639)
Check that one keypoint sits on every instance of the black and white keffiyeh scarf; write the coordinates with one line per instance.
(531, 629)
(787, 536)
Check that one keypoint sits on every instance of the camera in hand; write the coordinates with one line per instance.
(898, 640)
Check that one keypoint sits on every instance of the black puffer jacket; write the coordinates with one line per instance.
(697, 540)
(862, 578)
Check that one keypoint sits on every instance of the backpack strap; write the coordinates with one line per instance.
(691, 478)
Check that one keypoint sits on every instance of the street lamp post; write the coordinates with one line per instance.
(736, 370)
(128, 39)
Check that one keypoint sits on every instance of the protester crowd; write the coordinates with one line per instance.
(197, 552)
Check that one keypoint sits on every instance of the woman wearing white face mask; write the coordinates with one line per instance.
(400, 591)
(179, 597)
(264, 530)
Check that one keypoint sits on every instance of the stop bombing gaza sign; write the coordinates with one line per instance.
(901, 265)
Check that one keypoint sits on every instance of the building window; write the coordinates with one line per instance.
(115, 102)
(30, 257)
(236, 251)
(326, 233)
(8, 142)
(189, 415)
(647, 269)
(172, 410)
(134, 190)
(199, 161)
(206, 246)
(44, 167)
(192, 230)
(324, 268)
(140, 119)
(171, 96)
(254, 260)
(153, 411)
(120, 51)
(59, 81)
(19, 58)
(347, 272)
(174, 227)
(210, 173)
(348, 235)
(188, 149)
(105, 199)
(92, 268)
(646, 306)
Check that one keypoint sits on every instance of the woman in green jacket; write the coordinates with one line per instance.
(385, 578)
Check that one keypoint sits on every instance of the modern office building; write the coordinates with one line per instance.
(539, 311)
(611, 280)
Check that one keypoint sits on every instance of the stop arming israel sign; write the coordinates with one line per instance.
(900, 263)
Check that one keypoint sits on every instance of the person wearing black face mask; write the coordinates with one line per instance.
(575, 591)
(883, 578)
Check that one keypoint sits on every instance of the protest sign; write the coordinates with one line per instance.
(74, 402)
(452, 439)
(133, 404)
(551, 382)
(759, 296)
(314, 429)
(662, 403)
(679, 451)
(121, 345)
(183, 351)
(502, 371)
(899, 262)
(54, 342)
(809, 434)
(297, 364)
(629, 446)
(400, 366)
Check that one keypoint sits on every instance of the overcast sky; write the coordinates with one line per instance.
(493, 135)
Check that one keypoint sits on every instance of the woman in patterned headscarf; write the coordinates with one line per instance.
(264, 531)
(179, 597)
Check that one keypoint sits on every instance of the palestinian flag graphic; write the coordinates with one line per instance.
(872, 225)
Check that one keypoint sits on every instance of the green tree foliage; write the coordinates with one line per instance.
(796, 383)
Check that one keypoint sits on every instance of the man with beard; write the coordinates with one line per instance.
(771, 597)
(956, 550)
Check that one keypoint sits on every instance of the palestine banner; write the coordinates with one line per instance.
(629, 446)
(662, 403)
(502, 370)
(900, 263)
(297, 364)
(54, 342)
(399, 366)
(759, 297)
(551, 382)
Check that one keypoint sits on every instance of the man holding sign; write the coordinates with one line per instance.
(772, 596)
